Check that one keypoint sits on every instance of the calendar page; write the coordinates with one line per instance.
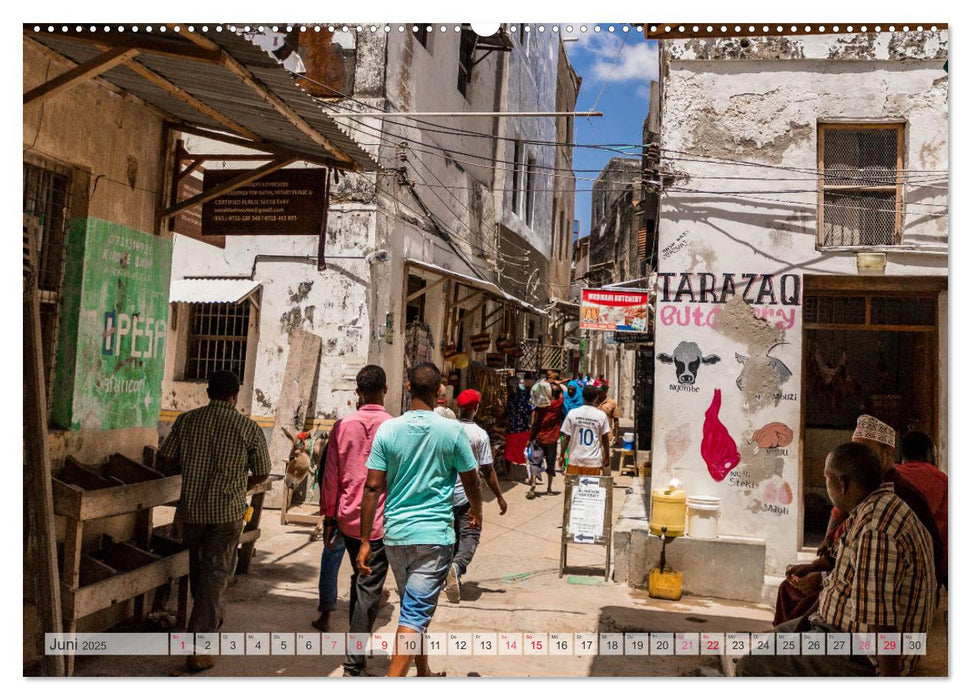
(312, 299)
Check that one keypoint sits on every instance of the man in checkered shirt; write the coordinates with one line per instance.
(221, 454)
(882, 581)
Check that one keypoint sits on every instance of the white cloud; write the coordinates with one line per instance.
(615, 60)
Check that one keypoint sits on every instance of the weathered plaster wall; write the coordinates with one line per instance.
(117, 141)
(334, 304)
(564, 186)
(531, 88)
(759, 100)
(96, 130)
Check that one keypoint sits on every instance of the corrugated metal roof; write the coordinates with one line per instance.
(475, 283)
(197, 290)
(218, 87)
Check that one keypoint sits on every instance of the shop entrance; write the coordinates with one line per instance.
(872, 353)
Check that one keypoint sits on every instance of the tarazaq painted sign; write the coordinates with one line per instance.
(695, 299)
(114, 327)
(613, 310)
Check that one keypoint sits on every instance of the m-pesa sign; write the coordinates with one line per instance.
(114, 322)
(613, 310)
(123, 335)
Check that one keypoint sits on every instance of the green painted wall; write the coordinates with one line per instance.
(113, 327)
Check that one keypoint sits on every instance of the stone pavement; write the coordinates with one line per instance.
(512, 586)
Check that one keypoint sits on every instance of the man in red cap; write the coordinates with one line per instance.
(466, 536)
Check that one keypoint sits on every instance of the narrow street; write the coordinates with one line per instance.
(279, 275)
(512, 586)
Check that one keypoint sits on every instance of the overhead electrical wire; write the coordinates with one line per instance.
(460, 203)
(758, 197)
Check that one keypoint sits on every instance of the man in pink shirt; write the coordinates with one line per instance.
(340, 503)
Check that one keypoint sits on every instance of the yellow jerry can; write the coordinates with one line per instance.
(668, 509)
(664, 584)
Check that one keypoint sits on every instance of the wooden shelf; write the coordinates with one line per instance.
(120, 587)
(122, 571)
(80, 504)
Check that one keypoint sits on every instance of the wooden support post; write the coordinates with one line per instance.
(89, 69)
(40, 550)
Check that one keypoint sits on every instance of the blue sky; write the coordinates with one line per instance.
(616, 80)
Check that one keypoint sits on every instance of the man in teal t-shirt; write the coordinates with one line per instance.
(416, 458)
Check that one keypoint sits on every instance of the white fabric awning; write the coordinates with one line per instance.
(476, 283)
(198, 290)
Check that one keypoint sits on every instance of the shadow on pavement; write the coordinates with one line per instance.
(644, 619)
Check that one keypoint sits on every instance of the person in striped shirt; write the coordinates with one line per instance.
(883, 580)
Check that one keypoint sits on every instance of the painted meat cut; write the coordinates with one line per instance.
(718, 449)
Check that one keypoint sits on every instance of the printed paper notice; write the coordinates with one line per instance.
(587, 510)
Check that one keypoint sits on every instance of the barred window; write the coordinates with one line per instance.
(860, 198)
(217, 340)
(47, 197)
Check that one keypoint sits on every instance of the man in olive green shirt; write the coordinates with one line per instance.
(221, 454)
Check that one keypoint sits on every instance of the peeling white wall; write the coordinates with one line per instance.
(333, 303)
(759, 100)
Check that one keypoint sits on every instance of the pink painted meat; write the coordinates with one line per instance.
(718, 449)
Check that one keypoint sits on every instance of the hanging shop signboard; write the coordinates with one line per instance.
(614, 310)
(289, 202)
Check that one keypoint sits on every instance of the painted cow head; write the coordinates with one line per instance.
(778, 370)
(299, 461)
(687, 359)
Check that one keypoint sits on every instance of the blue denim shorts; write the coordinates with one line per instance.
(419, 570)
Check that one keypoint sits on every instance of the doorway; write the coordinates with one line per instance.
(862, 353)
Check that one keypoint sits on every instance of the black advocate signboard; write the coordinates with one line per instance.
(287, 202)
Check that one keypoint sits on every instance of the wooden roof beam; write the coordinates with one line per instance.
(275, 101)
(80, 73)
(193, 102)
(270, 149)
(228, 186)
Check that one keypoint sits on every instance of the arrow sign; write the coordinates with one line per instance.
(581, 537)
(587, 481)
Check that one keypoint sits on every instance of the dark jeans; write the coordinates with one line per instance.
(330, 564)
(466, 538)
(804, 665)
(212, 561)
(365, 595)
(549, 454)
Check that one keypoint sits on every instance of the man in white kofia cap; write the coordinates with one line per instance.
(878, 436)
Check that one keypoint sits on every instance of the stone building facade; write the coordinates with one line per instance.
(802, 271)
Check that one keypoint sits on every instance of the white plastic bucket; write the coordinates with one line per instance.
(703, 512)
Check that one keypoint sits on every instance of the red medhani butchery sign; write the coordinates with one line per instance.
(613, 310)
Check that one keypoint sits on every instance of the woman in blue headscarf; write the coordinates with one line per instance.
(572, 397)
